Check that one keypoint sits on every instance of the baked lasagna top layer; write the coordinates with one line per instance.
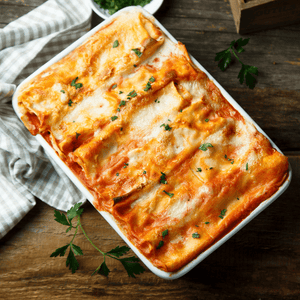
(153, 139)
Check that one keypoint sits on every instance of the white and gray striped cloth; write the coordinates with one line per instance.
(26, 171)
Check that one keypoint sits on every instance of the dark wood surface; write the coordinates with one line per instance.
(262, 261)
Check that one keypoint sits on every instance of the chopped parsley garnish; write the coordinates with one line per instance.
(232, 162)
(181, 110)
(225, 156)
(115, 5)
(167, 127)
(165, 232)
(63, 91)
(246, 166)
(160, 244)
(148, 87)
(169, 194)
(70, 102)
(121, 129)
(196, 235)
(238, 198)
(76, 85)
(121, 92)
(113, 118)
(163, 178)
(122, 103)
(199, 170)
(204, 147)
(151, 79)
(117, 174)
(206, 120)
(206, 223)
(132, 94)
(222, 214)
(144, 172)
(77, 135)
(211, 168)
(115, 44)
(125, 165)
(137, 52)
(114, 86)
(118, 109)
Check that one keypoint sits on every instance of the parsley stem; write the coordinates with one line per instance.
(236, 56)
(88, 237)
(74, 233)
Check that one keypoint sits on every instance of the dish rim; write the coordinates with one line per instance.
(151, 8)
(108, 217)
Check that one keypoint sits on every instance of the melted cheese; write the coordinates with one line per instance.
(153, 139)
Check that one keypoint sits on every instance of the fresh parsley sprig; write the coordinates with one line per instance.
(131, 264)
(224, 58)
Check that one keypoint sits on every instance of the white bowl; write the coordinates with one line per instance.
(152, 8)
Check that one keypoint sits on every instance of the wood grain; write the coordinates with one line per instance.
(260, 262)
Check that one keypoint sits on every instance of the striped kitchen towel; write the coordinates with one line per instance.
(26, 171)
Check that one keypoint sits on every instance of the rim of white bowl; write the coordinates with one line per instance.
(151, 7)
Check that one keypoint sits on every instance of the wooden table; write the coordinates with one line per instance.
(262, 261)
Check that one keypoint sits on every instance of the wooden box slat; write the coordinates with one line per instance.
(256, 15)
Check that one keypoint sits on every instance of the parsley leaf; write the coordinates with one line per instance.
(169, 194)
(167, 127)
(72, 262)
(70, 102)
(63, 91)
(144, 172)
(76, 250)
(222, 214)
(152, 79)
(160, 244)
(122, 103)
(137, 52)
(163, 178)
(238, 45)
(206, 223)
(119, 251)
(104, 270)
(60, 251)
(61, 218)
(114, 86)
(206, 120)
(76, 85)
(165, 232)
(247, 167)
(204, 147)
(246, 72)
(115, 44)
(74, 211)
(148, 87)
(132, 266)
(113, 118)
(224, 58)
(196, 235)
(132, 94)
(199, 170)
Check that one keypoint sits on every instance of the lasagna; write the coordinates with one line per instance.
(153, 139)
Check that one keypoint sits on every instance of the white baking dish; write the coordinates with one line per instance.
(107, 216)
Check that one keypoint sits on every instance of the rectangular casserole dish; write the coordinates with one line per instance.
(109, 218)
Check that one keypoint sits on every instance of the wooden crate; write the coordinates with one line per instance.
(256, 15)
